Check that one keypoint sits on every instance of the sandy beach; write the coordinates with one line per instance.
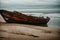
(10, 31)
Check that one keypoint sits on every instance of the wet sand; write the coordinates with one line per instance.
(10, 31)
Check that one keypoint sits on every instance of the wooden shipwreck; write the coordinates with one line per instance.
(17, 17)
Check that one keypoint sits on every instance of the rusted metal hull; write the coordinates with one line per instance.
(16, 17)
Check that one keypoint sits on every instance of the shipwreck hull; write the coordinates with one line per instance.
(16, 17)
(24, 22)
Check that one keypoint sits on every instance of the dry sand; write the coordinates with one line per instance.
(27, 32)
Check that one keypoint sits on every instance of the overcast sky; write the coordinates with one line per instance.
(30, 2)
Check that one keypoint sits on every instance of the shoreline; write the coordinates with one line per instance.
(10, 31)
